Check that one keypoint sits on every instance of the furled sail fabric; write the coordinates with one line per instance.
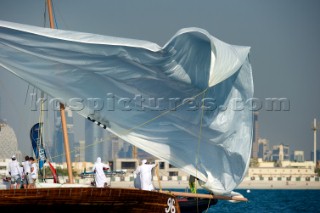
(185, 102)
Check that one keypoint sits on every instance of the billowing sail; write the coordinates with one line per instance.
(36, 138)
(186, 102)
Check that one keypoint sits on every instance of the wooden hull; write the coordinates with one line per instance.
(190, 205)
(86, 200)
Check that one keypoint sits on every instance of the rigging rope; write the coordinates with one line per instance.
(45, 14)
(199, 139)
(54, 16)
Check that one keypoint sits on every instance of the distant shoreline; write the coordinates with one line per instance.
(244, 185)
(279, 185)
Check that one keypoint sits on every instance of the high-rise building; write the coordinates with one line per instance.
(57, 149)
(263, 151)
(82, 150)
(298, 156)
(125, 151)
(79, 151)
(280, 153)
(255, 142)
(93, 138)
(0, 108)
(116, 146)
(98, 142)
(317, 155)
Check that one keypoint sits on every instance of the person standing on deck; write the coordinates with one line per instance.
(144, 172)
(15, 173)
(99, 176)
(192, 184)
(27, 172)
(22, 175)
(34, 173)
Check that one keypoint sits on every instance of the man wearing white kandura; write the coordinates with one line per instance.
(144, 173)
(100, 177)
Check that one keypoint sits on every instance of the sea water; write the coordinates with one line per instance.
(269, 201)
(272, 201)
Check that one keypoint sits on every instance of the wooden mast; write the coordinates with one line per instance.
(62, 112)
(134, 152)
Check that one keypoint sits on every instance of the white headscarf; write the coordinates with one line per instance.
(144, 161)
(98, 160)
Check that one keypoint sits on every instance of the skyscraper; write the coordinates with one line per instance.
(280, 153)
(97, 142)
(255, 142)
(79, 151)
(298, 156)
(317, 155)
(263, 152)
(0, 109)
(57, 150)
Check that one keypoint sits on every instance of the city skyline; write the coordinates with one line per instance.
(108, 146)
(283, 37)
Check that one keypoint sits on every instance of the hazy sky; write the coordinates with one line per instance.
(283, 36)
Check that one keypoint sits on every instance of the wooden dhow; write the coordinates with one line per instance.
(84, 199)
(90, 199)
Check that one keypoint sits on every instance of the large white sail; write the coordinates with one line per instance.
(185, 102)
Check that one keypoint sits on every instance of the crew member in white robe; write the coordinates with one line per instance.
(144, 173)
(99, 176)
(15, 173)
